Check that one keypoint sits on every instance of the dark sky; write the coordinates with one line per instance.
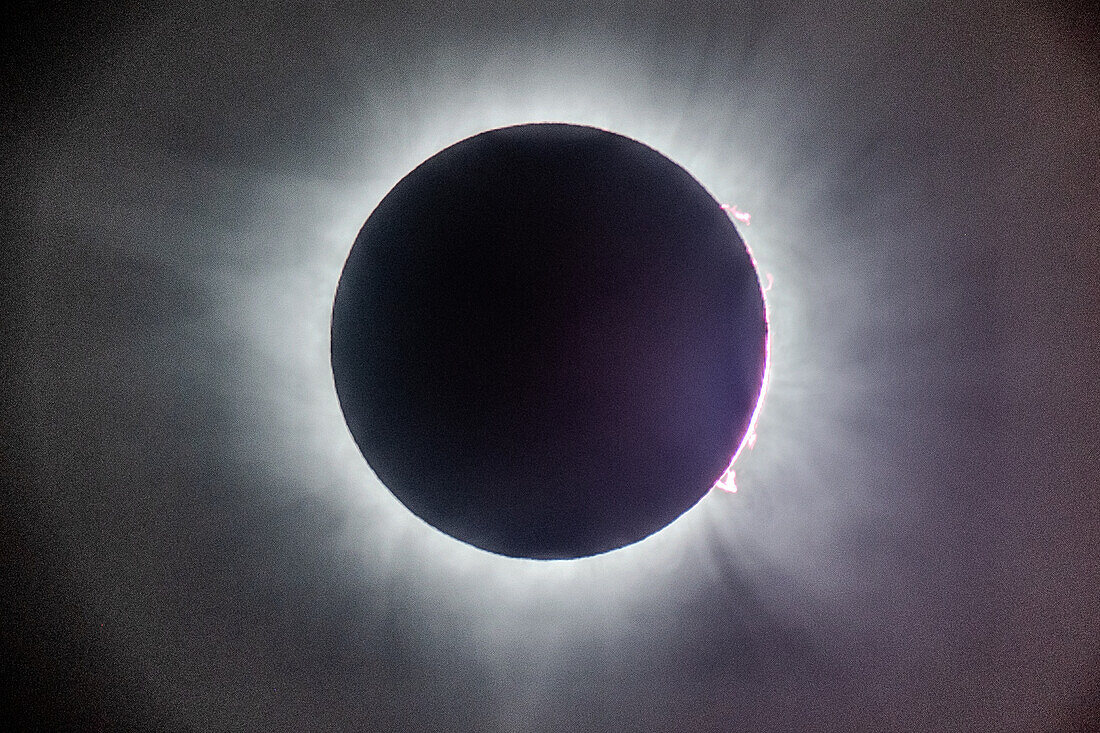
(192, 542)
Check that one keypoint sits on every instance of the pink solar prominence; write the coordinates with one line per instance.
(726, 482)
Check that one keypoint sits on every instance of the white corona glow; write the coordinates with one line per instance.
(299, 417)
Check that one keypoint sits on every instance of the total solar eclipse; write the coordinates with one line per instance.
(548, 341)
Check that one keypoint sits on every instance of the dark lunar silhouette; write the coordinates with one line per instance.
(548, 341)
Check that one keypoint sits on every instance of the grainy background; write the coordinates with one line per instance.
(191, 542)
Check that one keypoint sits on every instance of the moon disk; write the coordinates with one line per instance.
(548, 341)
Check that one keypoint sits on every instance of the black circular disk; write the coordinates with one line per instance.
(548, 341)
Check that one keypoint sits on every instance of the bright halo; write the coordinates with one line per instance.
(299, 418)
